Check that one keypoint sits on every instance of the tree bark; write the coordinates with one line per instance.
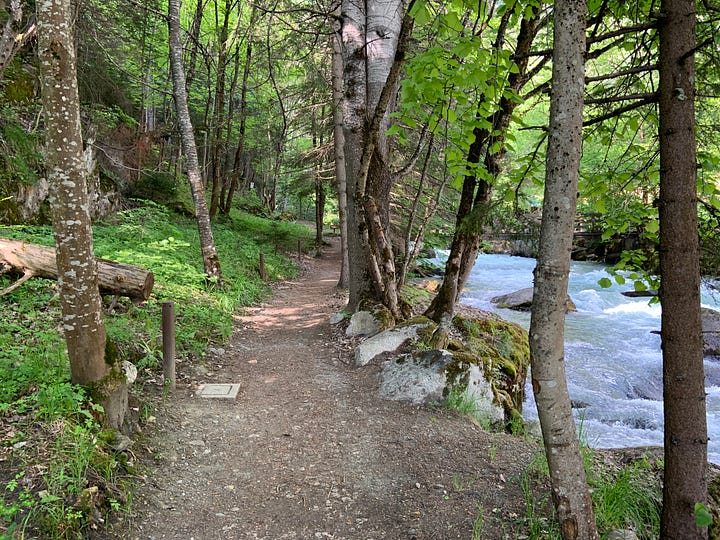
(339, 144)
(238, 162)
(211, 263)
(219, 112)
(476, 192)
(375, 37)
(82, 321)
(15, 34)
(113, 277)
(685, 481)
(547, 325)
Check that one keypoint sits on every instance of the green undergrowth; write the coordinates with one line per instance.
(626, 496)
(59, 474)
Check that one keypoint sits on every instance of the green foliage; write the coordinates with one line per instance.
(630, 497)
(703, 518)
(20, 159)
(635, 266)
(57, 499)
(624, 497)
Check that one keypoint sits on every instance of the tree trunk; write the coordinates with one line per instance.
(547, 325)
(80, 300)
(476, 192)
(194, 36)
(683, 373)
(238, 162)
(14, 37)
(339, 144)
(317, 141)
(375, 37)
(211, 263)
(219, 112)
(113, 277)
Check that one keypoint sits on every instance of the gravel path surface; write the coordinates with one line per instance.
(308, 450)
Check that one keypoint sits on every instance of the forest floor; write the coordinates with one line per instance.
(308, 450)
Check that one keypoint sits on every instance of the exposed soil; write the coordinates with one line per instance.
(308, 450)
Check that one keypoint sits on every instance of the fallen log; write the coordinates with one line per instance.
(36, 260)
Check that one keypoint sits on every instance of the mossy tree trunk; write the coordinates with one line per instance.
(489, 146)
(82, 320)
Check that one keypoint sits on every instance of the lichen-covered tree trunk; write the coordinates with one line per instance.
(211, 262)
(685, 480)
(82, 321)
(547, 325)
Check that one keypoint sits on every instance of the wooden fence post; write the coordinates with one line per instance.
(168, 337)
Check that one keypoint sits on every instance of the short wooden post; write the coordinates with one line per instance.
(168, 338)
(262, 266)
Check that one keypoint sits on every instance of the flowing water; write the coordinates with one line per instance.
(613, 360)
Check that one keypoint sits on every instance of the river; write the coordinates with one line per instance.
(613, 358)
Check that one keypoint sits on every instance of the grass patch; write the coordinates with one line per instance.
(627, 496)
(59, 473)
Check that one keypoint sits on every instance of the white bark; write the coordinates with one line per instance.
(211, 262)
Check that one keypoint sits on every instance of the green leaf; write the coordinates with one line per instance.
(640, 285)
(620, 280)
(421, 13)
(605, 283)
(703, 518)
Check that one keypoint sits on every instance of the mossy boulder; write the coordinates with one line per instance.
(486, 361)
(502, 350)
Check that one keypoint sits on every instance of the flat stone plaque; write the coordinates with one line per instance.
(220, 391)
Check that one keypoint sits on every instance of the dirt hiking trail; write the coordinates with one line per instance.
(308, 450)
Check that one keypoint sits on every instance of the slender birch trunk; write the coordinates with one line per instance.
(211, 263)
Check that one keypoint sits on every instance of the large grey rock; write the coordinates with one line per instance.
(622, 534)
(388, 341)
(522, 300)
(480, 390)
(130, 370)
(422, 379)
(417, 380)
(363, 323)
(711, 331)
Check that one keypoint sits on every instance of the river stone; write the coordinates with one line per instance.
(387, 341)
(711, 331)
(522, 300)
(363, 323)
(337, 318)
